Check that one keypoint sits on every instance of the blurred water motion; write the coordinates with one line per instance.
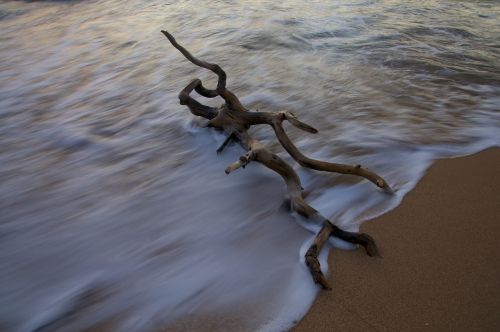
(115, 212)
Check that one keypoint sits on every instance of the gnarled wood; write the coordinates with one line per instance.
(235, 120)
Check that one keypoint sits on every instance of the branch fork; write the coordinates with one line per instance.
(234, 119)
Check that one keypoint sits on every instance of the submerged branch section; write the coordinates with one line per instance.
(235, 120)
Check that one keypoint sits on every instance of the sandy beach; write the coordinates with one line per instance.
(440, 269)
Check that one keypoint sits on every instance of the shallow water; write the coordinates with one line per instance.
(114, 208)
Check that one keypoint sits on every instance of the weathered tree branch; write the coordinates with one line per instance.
(235, 120)
(228, 139)
(221, 90)
(323, 165)
(196, 107)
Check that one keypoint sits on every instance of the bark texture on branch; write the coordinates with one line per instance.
(235, 120)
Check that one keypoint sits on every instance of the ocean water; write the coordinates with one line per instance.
(115, 211)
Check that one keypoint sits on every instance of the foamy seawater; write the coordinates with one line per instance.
(115, 212)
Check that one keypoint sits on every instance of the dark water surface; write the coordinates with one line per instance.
(114, 208)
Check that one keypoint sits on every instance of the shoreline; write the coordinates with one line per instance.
(440, 269)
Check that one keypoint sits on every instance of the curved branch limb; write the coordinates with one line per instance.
(312, 253)
(221, 84)
(194, 106)
(276, 120)
(221, 90)
(204, 91)
(362, 239)
(323, 165)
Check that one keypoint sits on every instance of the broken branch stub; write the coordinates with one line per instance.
(235, 120)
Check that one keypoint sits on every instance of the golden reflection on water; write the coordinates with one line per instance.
(107, 180)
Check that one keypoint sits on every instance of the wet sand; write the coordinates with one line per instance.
(440, 269)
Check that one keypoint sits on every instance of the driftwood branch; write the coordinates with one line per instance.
(235, 120)
(228, 139)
